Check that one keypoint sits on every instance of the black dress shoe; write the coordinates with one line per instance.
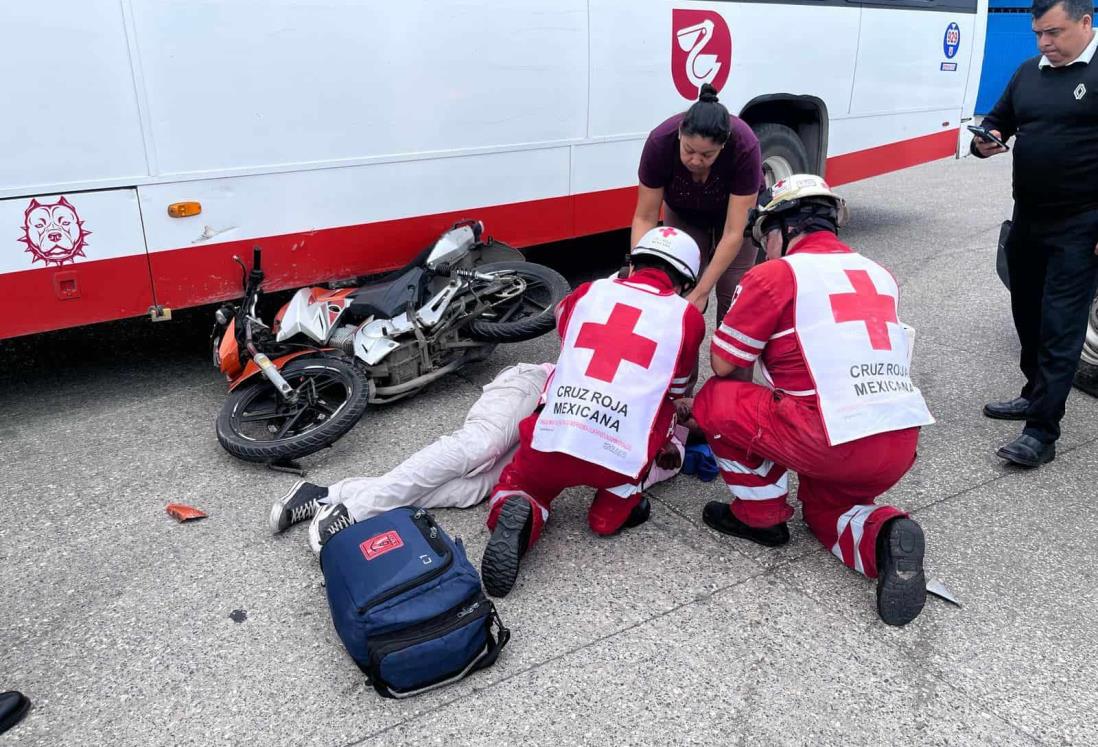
(719, 516)
(13, 707)
(1014, 409)
(1028, 451)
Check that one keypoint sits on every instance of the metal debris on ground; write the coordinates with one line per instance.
(938, 589)
(182, 512)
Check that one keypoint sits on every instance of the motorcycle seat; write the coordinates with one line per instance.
(389, 298)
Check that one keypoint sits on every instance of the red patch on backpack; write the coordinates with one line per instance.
(380, 544)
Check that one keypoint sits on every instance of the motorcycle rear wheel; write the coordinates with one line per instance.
(527, 316)
(256, 424)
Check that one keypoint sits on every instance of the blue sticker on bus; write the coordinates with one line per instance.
(952, 40)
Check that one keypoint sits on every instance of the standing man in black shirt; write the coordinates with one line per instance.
(1051, 107)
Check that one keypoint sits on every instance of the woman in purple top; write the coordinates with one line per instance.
(704, 168)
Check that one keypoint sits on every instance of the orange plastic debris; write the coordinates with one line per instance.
(183, 512)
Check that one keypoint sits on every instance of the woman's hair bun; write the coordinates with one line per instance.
(708, 94)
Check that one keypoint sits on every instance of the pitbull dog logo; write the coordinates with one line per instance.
(53, 232)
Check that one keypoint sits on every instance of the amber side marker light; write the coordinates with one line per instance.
(184, 209)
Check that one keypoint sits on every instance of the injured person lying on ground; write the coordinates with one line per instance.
(458, 470)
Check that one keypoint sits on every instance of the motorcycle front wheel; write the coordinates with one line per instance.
(525, 315)
(257, 424)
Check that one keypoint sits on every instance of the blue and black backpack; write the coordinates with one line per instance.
(408, 604)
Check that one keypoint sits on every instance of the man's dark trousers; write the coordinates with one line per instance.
(1053, 272)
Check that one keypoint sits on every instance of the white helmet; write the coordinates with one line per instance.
(795, 194)
(677, 248)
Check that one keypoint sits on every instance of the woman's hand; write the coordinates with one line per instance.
(698, 299)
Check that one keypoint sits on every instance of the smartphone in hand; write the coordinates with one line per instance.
(985, 134)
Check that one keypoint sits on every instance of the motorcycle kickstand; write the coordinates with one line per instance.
(291, 466)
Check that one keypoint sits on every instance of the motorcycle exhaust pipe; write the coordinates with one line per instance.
(271, 372)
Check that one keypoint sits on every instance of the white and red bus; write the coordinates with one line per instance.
(146, 142)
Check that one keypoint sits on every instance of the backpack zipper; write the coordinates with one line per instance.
(430, 532)
(452, 619)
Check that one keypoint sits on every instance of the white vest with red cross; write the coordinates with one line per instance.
(856, 349)
(616, 364)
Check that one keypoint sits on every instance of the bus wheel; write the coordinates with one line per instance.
(783, 153)
(1086, 377)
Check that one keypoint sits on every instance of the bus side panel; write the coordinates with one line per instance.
(68, 260)
(635, 58)
(332, 223)
(916, 69)
(975, 70)
(252, 84)
(905, 143)
(604, 180)
(632, 58)
(70, 109)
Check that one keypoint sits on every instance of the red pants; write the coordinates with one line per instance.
(757, 434)
(539, 477)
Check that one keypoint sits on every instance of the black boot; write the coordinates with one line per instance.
(639, 514)
(500, 565)
(901, 584)
(719, 516)
(13, 707)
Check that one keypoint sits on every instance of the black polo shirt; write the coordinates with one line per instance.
(1053, 114)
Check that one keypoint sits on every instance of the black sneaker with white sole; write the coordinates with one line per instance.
(330, 521)
(901, 583)
(500, 565)
(302, 502)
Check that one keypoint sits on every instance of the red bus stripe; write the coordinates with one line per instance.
(119, 288)
(862, 164)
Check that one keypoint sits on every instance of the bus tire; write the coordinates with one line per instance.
(345, 378)
(1086, 376)
(783, 153)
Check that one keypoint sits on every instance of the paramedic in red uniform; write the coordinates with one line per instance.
(628, 347)
(842, 412)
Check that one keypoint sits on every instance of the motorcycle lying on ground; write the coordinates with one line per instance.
(300, 383)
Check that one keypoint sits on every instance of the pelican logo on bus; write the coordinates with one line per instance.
(53, 232)
(952, 40)
(701, 50)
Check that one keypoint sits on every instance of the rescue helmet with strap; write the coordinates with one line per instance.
(676, 248)
(797, 204)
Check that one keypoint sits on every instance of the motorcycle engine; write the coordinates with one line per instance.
(343, 338)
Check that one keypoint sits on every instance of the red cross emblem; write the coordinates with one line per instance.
(866, 305)
(665, 232)
(615, 342)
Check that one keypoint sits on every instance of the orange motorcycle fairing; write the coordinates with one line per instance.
(252, 368)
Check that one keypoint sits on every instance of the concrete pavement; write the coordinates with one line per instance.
(125, 627)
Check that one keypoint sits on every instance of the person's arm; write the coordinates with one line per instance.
(1000, 121)
(693, 335)
(647, 215)
(747, 327)
(563, 312)
(727, 248)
